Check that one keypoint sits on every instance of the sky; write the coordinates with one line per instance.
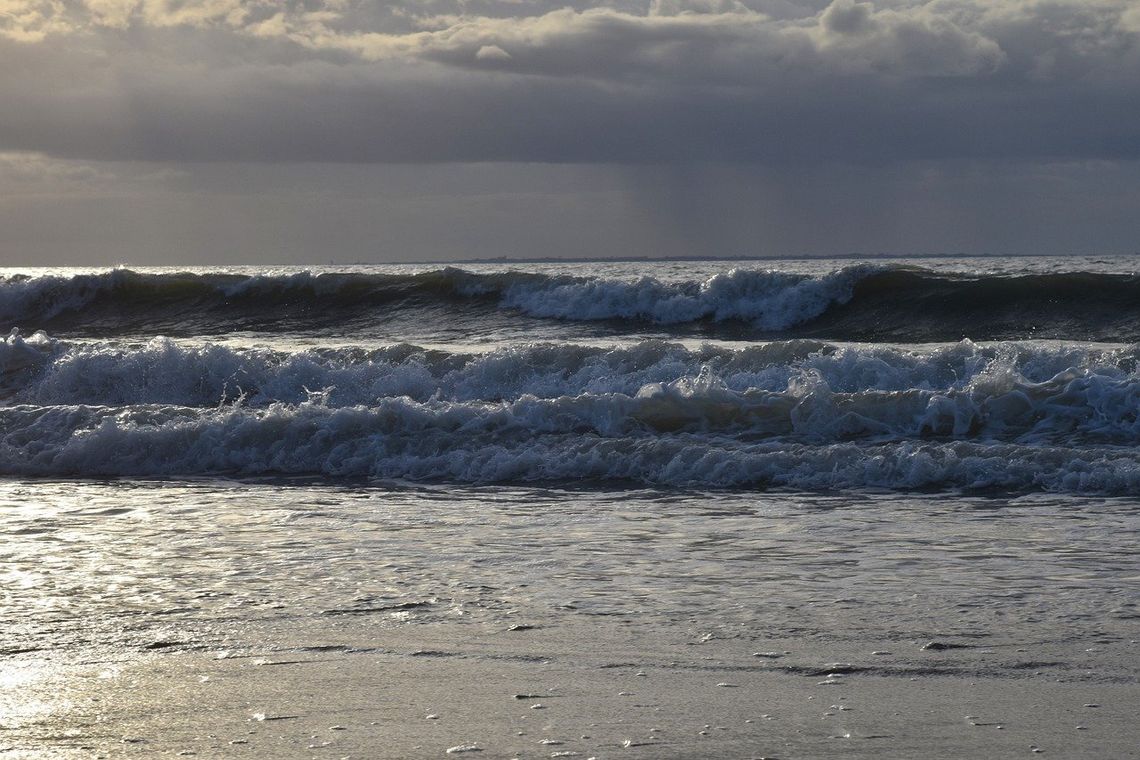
(315, 131)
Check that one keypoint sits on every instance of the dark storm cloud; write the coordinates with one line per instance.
(778, 83)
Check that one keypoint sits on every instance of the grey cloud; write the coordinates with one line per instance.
(21, 173)
(722, 44)
(848, 18)
(699, 80)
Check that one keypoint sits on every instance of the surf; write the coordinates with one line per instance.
(861, 302)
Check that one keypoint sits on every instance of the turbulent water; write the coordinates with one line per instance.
(1015, 374)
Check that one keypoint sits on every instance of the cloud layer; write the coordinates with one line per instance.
(667, 81)
(211, 131)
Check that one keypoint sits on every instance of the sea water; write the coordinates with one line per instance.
(894, 451)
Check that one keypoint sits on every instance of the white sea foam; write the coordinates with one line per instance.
(812, 390)
(695, 431)
(408, 441)
(42, 370)
(770, 300)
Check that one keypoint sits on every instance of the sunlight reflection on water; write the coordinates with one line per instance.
(195, 563)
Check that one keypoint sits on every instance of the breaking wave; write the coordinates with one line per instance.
(798, 413)
(862, 302)
(401, 440)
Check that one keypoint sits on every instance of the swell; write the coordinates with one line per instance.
(123, 301)
(862, 302)
(904, 304)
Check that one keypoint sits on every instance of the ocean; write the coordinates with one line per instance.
(930, 463)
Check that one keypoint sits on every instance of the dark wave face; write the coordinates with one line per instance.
(858, 303)
(904, 306)
(126, 302)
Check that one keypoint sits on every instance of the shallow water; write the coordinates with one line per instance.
(230, 566)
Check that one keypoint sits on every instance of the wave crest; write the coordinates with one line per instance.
(861, 302)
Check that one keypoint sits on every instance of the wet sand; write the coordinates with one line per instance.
(569, 691)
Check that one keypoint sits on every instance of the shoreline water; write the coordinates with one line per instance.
(164, 618)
